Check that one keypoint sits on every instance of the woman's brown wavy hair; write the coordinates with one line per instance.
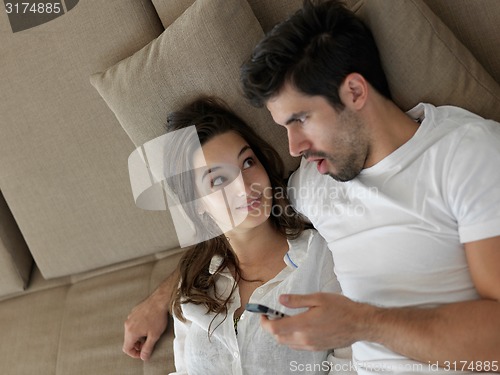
(197, 285)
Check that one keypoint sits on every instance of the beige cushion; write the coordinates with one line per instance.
(475, 23)
(78, 329)
(268, 13)
(63, 155)
(31, 326)
(15, 259)
(169, 11)
(424, 61)
(201, 52)
(37, 283)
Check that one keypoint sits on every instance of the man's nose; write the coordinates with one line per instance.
(297, 142)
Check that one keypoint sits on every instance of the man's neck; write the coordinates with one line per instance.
(390, 128)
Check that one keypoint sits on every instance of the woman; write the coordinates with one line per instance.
(255, 248)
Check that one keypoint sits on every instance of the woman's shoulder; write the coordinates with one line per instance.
(308, 243)
(311, 237)
(313, 262)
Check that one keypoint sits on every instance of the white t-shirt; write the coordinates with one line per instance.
(253, 350)
(397, 230)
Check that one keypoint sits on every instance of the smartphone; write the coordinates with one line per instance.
(261, 309)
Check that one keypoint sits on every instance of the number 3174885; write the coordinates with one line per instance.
(23, 8)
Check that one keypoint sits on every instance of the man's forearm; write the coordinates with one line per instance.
(162, 295)
(465, 331)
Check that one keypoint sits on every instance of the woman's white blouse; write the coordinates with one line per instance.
(254, 351)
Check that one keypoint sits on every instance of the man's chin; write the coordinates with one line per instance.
(346, 176)
(337, 178)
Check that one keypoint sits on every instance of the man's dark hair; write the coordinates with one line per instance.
(314, 50)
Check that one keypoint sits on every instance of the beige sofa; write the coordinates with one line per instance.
(80, 92)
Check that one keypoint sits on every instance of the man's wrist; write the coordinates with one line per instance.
(369, 323)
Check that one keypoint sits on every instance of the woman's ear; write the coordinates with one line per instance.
(354, 91)
(200, 207)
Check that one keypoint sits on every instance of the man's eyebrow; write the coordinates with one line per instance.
(294, 117)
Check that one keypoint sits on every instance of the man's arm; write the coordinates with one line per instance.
(148, 320)
(465, 331)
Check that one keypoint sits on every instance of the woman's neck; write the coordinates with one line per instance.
(260, 251)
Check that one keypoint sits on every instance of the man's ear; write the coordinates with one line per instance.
(354, 91)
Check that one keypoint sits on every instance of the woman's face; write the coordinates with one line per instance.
(232, 184)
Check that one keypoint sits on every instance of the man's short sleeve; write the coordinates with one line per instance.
(474, 182)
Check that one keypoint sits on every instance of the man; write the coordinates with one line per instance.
(420, 255)
(411, 214)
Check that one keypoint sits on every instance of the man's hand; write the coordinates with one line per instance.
(332, 321)
(423, 334)
(144, 326)
(148, 320)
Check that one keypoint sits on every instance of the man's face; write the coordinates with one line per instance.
(336, 140)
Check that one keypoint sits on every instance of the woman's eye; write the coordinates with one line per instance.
(248, 163)
(217, 181)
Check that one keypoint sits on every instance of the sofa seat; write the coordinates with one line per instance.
(77, 328)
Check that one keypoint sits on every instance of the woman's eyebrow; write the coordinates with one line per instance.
(246, 147)
(209, 170)
(213, 169)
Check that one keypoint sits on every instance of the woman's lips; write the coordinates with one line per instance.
(252, 204)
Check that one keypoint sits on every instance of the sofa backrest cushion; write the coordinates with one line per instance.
(267, 12)
(63, 155)
(425, 62)
(475, 23)
(15, 259)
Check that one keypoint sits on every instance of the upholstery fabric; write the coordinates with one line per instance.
(169, 11)
(200, 53)
(31, 327)
(15, 259)
(471, 22)
(268, 13)
(63, 155)
(38, 283)
(77, 329)
(424, 61)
